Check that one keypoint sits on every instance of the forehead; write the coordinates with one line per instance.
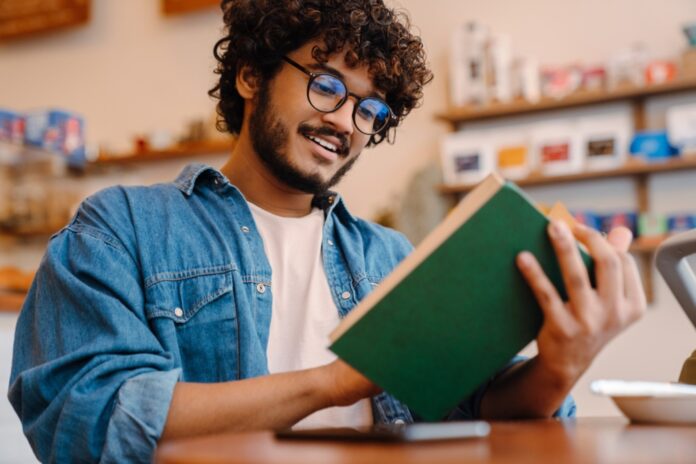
(357, 78)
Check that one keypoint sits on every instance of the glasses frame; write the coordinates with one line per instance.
(313, 76)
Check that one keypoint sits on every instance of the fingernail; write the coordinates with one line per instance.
(524, 258)
(557, 229)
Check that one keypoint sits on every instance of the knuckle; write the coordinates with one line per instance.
(576, 280)
(610, 262)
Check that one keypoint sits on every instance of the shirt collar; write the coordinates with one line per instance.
(328, 201)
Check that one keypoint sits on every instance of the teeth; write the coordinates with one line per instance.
(324, 143)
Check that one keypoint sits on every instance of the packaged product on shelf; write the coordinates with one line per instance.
(560, 82)
(588, 218)
(527, 79)
(681, 127)
(681, 222)
(659, 72)
(652, 146)
(58, 131)
(594, 78)
(556, 148)
(628, 67)
(11, 127)
(468, 83)
(652, 225)
(625, 219)
(500, 58)
(512, 155)
(605, 140)
(466, 157)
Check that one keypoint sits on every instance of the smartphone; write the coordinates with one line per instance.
(392, 432)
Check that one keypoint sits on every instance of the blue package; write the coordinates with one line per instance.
(628, 220)
(11, 127)
(652, 145)
(58, 131)
(681, 222)
(588, 218)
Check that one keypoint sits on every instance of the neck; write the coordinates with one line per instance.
(247, 172)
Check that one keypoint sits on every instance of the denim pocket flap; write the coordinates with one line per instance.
(181, 295)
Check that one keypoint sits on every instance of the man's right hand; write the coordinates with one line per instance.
(346, 385)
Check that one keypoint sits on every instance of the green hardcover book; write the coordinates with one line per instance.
(457, 309)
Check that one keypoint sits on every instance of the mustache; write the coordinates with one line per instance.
(344, 144)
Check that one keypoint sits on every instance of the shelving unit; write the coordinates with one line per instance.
(638, 170)
(635, 94)
(188, 150)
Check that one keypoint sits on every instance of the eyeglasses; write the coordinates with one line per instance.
(327, 93)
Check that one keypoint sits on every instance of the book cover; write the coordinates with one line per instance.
(457, 309)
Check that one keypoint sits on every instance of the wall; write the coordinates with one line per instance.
(133, 71)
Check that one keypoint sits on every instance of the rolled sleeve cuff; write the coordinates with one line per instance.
(139, 415)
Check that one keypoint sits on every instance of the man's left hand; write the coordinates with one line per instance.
(574, 331)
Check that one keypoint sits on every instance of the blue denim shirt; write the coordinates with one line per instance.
(148, 286)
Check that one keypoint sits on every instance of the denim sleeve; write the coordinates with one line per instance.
(470, 407)
(90, 382)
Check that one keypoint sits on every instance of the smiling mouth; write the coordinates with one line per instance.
(323, 143)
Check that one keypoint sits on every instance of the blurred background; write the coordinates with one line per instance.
(590, 103)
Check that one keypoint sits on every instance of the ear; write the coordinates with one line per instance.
(247, 82)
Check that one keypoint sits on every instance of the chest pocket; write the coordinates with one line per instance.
(194, 315)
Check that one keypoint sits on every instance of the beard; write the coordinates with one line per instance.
(269, 136)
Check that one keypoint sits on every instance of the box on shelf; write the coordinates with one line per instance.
(625, 219)
(605, 140)
(652, 225)
(512, 156)
(681, 127)
(468, 65)
(556, 148)
(11, 127)
(652, 146)
(681, 222)
(466, 158)
(58, 131)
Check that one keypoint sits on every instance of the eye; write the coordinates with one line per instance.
(371, 109)
(328, 86)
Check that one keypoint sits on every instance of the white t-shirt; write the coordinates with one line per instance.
(303, 311)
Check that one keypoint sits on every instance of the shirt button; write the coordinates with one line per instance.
(261, 288)
(245, 229)
(329, 242)
(345, 295)
(399, 421)
(331, 200)
(178, 312)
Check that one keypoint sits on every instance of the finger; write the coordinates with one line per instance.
(573, 270)
(608, 266)
(633, 287)
(620, 238)
(545, 293)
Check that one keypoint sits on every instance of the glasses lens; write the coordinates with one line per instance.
(371, 115)
(326, 92)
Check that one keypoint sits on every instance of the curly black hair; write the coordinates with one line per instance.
(260, 32)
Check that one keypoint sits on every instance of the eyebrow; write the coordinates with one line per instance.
(326, 68)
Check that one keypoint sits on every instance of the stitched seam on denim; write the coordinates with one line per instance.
(194, 308)
(188, 274)
(98, 234)
(256, 279)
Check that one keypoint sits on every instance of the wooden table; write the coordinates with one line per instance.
(546, 441)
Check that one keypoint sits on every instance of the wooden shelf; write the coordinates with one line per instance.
(635, 167)
(181, 151)
(578, 99)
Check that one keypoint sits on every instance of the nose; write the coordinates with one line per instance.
(342, 118)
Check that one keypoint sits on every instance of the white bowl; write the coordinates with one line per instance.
(657, 402)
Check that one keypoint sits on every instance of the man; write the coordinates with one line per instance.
(205, 305)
